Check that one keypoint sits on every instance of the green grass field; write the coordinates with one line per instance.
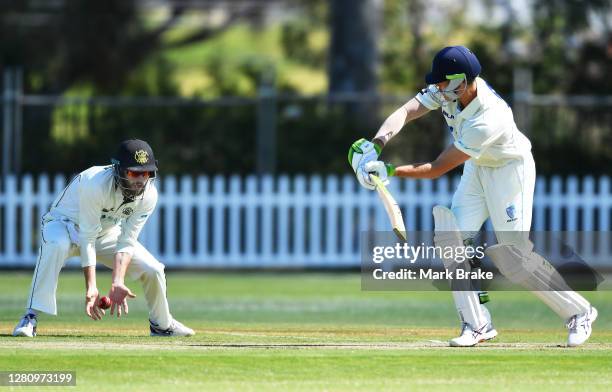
(306, 332)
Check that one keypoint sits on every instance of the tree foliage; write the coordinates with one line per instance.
(92, 48)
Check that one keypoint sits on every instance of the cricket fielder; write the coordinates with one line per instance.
(498, 182)
(99, 216)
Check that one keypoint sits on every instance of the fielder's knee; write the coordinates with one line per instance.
(57, 246)
(155, 269)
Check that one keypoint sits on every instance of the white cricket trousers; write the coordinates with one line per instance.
(505, 194)
(57, 247)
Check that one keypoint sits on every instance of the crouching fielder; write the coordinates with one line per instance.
(99, 216)
(497, 182)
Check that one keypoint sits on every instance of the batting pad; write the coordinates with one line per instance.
(466, 300)
(534, 272)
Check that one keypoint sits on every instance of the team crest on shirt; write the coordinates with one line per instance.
(511, 211)
(128, 211)
(141, 156)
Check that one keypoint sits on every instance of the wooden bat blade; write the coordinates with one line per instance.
(391, 207)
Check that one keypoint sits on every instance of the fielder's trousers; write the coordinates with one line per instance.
(57, 246)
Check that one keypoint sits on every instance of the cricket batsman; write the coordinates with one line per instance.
(498, 182)
(99, 216)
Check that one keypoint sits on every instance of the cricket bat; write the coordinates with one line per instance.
(393, 210)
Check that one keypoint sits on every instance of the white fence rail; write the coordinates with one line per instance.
(284, 221)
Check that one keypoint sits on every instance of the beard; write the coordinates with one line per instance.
(132, 190)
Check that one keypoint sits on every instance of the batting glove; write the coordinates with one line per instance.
(381, 170)
(360, 153)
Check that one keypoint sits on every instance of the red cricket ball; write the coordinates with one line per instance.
(104, 303)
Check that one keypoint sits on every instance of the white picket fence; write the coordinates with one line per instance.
(316, 221)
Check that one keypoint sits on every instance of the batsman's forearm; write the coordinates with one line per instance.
(391, 127)
(413, 109)
(90, 277)
(120, 265)
(449, 159)
(418, 170)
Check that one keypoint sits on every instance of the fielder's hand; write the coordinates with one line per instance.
(91, 304)
(381, 170)
(360, 153)
(119, 293)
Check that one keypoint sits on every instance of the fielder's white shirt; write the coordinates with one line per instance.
(484, 129)
(96, 206)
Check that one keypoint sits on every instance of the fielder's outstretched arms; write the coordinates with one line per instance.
(498, 182)
(98, 217)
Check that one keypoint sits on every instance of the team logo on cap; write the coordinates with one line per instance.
(141, 156)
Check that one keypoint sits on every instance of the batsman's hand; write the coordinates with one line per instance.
(380, 169)
(91, 304)
(360, 153)
(119, 293)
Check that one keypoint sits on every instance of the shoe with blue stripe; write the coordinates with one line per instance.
(470, 337)
(26, 326)
(175, 329)
(580, 327)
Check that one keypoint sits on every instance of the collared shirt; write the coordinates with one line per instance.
(484, 129)
(96, 206)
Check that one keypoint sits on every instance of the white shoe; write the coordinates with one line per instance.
(470, 337)
(26, 326)
(580, 327)
(176, 329)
